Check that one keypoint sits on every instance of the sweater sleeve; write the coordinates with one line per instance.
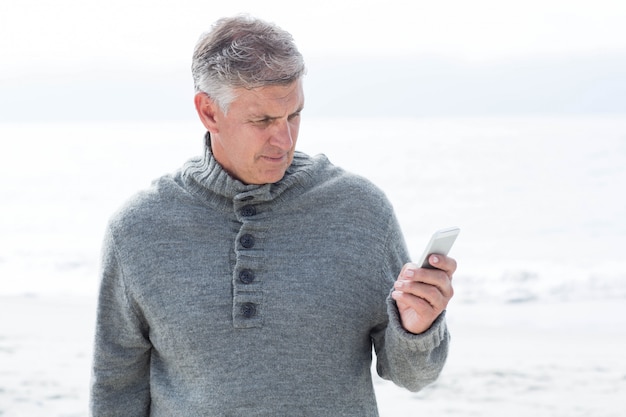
(121, 365)
(409, 360)
(412, 361)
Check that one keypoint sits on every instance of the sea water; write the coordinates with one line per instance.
(541, 202)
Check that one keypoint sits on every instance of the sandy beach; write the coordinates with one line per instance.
(505, 119)
(545, 359)
(538, 320)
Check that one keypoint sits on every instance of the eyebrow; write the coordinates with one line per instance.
(271, 118)
(298, 111)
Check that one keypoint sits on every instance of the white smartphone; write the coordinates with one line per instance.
(440, 243)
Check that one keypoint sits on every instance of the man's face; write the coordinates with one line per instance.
(255, 140)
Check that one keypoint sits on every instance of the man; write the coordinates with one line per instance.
(256, 279)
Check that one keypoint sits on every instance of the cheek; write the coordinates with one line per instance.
(295, 130)
(239, 146)
(250, 144)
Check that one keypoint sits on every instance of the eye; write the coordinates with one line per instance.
(266, 121)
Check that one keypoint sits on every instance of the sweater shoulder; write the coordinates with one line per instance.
(152, 205)
(341, 185)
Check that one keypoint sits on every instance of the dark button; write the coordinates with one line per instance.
(246, 276)
(247, 241)
(248, 211)
(248, 310)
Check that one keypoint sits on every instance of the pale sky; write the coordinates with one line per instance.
(65, 33)
(45, 39)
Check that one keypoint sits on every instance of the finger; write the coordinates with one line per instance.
(433, 295)
(425, 282)
(444, 263)
(416, 314)
(432, 277)
(419, 305)
(435, 277)
(408, 271)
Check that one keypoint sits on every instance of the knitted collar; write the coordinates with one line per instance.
(207, 179)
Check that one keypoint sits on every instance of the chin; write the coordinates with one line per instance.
(271, 177)
(274, 179)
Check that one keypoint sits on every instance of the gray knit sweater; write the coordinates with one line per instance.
(225, 299)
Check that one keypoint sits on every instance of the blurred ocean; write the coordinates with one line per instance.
(541, 202)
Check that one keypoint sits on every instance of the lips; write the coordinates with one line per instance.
(274, 159)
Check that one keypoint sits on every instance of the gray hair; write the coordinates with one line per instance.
(244, 52)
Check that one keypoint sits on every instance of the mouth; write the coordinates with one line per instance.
(274, 159)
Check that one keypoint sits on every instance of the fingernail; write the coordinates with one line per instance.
(434, 259)
(409, 273)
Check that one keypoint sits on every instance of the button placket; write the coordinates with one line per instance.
(247, 283)
(248, 211)
(248, 310)
(246, 276)
(247, 241)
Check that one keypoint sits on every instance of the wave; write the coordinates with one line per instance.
(527, 285)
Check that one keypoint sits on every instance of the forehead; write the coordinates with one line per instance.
(274, 100)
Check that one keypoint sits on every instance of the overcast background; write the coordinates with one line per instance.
(92, 60)
(514, 129)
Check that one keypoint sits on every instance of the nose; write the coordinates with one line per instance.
(282, 136)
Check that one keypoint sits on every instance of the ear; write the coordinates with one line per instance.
(207, 111)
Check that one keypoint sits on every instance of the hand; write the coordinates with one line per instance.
(423, 294)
